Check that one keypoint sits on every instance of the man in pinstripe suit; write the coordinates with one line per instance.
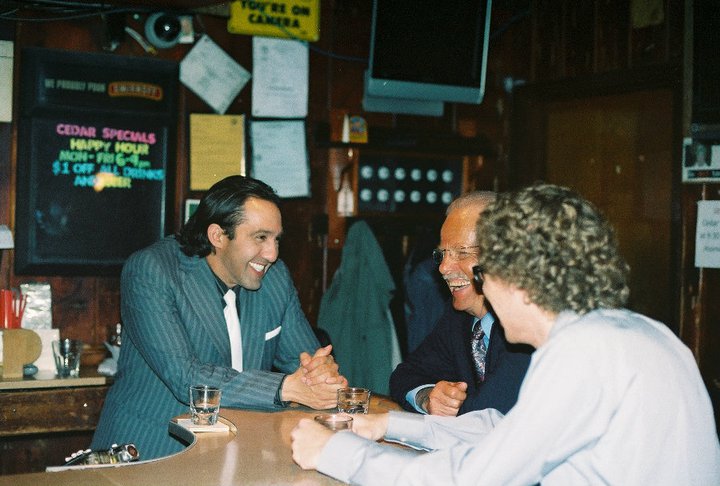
(175, 332)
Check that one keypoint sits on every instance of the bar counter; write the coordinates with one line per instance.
(256, 451)
(45, 404)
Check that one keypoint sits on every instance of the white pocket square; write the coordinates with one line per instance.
(271, 334)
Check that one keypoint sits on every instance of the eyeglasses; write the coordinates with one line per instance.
(456, 254)
(478, 275)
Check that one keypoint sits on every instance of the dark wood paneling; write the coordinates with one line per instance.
(43, 426)
(611, 52)
(73, 409)
(617, 151)
(33, 453)
(5, 191)
(580, 38)
(700, 307)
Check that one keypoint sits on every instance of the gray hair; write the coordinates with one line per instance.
(472, 199)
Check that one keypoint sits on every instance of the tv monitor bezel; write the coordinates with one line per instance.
(408, 89)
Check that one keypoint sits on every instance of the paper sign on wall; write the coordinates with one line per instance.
(707, 236)
(701, 160)
(217, 148)
(280, 78)
(212, 74)
(299, 19)
(279, 156)
(6, 77)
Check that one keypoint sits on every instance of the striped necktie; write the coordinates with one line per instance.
(479, 350)
(233, 327)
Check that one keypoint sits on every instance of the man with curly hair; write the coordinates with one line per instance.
(611, 396)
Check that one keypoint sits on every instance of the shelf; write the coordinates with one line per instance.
(404, 141)
(48, 379)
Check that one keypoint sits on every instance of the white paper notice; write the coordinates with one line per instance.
(279, 156)
(280, 78)
(707, 237)
(715, 156)
(212, 74)
(6, 78)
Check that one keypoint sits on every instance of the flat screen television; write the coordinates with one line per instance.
(429, 50)
(706, 68)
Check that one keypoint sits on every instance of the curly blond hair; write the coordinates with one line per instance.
(555, 245)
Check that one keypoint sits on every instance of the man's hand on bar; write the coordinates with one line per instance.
(308, 440)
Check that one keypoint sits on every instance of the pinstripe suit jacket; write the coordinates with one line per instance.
(174, 336)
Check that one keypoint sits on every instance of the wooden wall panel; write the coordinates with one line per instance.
(6, 190)
(699, 288)
(611, 51)
(617, 152)
(547, 40)
(579, 39)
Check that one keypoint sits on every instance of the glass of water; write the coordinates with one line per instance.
(334, 421)
(204, 404)
(67, 354)
(353, 400)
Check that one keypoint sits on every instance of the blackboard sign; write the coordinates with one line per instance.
(95, 141)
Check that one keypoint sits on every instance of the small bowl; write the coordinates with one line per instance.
(93, 355)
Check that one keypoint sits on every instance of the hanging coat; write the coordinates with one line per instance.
(355, 311)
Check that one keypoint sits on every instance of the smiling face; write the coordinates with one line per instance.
(458, 231)
(246, 258)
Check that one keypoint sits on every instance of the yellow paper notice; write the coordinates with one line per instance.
(217, 148)
(291, 19)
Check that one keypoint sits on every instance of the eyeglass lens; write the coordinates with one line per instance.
(455, 253)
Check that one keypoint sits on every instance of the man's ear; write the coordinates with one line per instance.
(216, 235)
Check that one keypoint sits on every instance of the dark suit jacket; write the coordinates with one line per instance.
(445, 355)
(174, 336)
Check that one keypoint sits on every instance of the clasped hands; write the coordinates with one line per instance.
(315, 382)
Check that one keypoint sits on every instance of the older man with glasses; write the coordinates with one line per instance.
(465, 363)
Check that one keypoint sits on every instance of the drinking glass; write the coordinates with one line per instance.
(353, 400)
(67, 357)
(204, 404)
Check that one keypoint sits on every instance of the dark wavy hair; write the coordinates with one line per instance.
(555, 245)
(223, 204)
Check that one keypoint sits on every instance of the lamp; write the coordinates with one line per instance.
(6, 238)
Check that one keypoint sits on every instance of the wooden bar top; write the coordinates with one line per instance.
(256, 451)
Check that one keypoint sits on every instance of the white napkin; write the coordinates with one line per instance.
(109, 365)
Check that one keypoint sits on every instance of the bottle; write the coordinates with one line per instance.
(116, 338)
(345, 201)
